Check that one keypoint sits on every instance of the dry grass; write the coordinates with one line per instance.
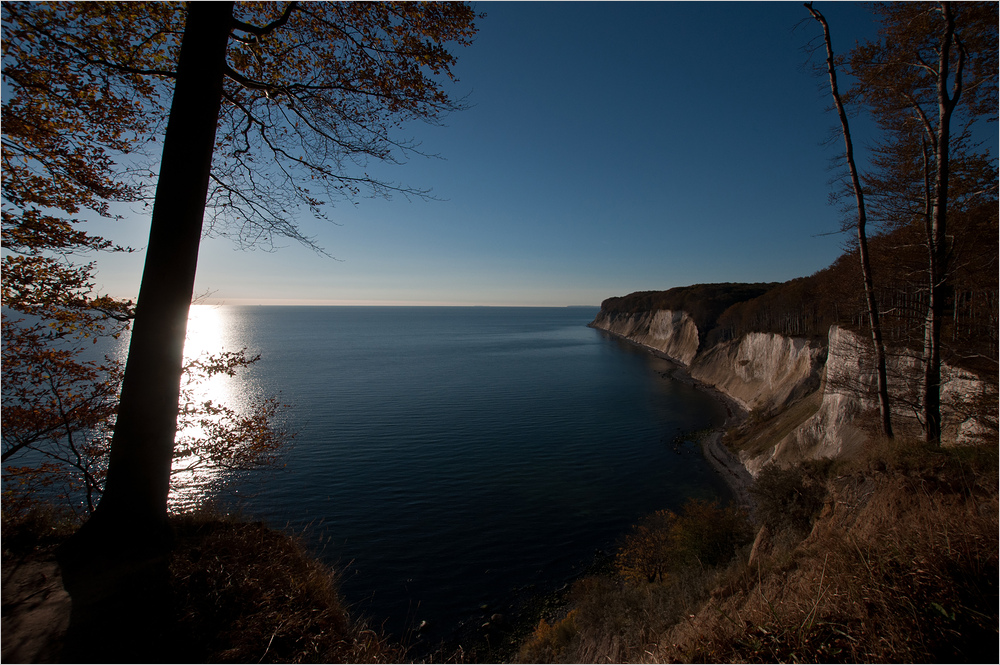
(664, 568)
(900, 565)
(39, 527)
(237, 592)
(614, 621)
(247, 593)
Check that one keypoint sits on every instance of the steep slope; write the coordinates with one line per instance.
(762, 370)
(899, 566)
(671, 333)
(767, 373)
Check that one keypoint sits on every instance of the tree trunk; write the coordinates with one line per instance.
(937, 239)
(119, 554)
(873, 314)
(142, 447)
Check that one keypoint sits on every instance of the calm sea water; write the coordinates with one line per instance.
(449, 459)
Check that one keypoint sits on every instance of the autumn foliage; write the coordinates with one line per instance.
(72, 143)
(59, 410)
(703, 534)
(312, 93)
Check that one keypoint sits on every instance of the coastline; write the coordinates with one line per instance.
(725, 463)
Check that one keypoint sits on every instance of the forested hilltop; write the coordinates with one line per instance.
(704, 303)
(808, 306)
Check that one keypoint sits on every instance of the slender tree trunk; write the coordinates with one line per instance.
(937, 239)
(115, 567)
(932, 322)
(873, 313)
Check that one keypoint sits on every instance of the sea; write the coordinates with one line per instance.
(454, 462)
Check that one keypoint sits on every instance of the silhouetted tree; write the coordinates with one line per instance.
(272, 105)
(304, 92)
(64, 126)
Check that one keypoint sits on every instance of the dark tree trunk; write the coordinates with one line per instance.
(873, 314)
(937, 239)
(142, 447)
(117, 559)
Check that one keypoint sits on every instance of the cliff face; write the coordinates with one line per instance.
(849, 392)
(759, 370)
(831, 431)
(767, 372)
(762, 370)
(672, 333)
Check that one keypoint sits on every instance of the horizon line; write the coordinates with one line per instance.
(303, 302)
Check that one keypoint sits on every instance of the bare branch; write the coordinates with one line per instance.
(261, 31)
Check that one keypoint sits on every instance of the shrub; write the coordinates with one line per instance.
(647, 551)
(30, 525)
(247, 593)
(787, 498)
(665, 567)
(704, 534)
(708, 534)
(550, 642)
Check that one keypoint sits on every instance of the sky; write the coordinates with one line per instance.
(608, 148)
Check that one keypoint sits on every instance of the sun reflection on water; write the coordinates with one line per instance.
(204, 331)
(207, 334)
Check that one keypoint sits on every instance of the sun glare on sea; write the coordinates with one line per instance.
(205, 336)
(204, 331)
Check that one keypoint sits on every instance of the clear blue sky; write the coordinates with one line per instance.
(610, 147)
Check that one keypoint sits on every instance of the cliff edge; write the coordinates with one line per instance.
(672, 333)
(807, 396)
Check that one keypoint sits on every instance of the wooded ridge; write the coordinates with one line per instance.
(808, 306)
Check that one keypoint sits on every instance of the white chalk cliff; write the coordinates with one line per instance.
(761, 370)
(671, 333)
(768, 372)
(849, 391)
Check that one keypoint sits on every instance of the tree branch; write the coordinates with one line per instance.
(258, 31)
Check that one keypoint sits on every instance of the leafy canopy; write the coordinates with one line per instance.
(314, 93)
